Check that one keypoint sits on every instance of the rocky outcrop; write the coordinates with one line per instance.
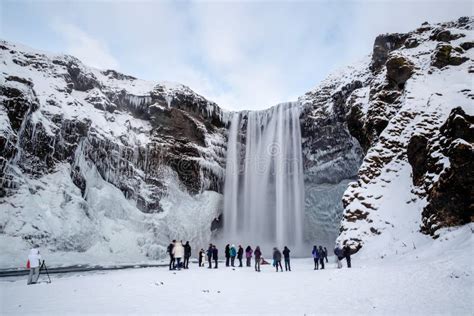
(396, 116)
(445, 55)
(450, 196)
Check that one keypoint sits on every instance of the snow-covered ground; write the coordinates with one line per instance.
(435, 278)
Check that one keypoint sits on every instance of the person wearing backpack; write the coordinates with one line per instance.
(315, 254)
(286, 255)
(233, 253)
(277, 259)
(258, 256)
(34, 263)
(248, 255)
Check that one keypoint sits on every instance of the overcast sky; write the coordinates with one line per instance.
(241, 54)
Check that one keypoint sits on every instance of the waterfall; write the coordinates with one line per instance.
(263, 189)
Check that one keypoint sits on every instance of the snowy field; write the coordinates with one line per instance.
(432, 280)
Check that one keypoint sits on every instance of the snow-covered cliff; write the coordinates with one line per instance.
(100, 164)
(410, 110)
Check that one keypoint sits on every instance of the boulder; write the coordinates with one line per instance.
(399, 70)
(445, 56)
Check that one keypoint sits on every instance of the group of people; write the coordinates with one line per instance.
(179, 255)
(319, 255)
(341, 253)
(177, 252)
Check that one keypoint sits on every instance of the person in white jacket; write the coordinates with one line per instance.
(35, 261)
(178, 253)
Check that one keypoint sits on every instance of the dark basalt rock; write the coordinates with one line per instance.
(451, 198)
(444, 56)
(443, 35)
(417, 153)
(82, 81)
(399, 70)
(467, 45)
(411, 43)
(117, 75)
(383, 45)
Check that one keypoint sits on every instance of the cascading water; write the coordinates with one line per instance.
(264, 189)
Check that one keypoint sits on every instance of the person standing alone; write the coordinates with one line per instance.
(34, 262)
(286, 255)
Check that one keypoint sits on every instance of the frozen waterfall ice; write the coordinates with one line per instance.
(264, 189)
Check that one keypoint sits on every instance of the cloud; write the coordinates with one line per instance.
(88, 49)
(243, 55)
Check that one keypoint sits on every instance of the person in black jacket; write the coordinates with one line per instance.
(286, 255)
(215, 256)
(227, 255)
(209, 255)
(240, 255)
(170, 251)
(200, 257)
(187, 255)
(326, 254)
(277, 259)
(347, 254)
(321, 257)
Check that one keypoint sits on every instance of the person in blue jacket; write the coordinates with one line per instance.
(233, 254)
(315, 254)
